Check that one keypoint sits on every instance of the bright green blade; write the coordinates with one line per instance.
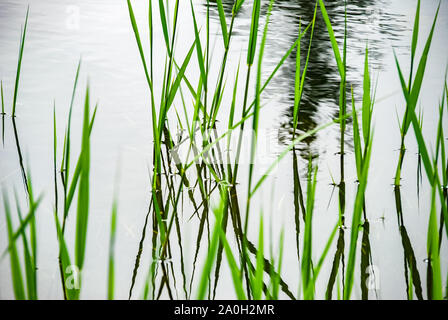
(111, 271)
(83, 191)
(222, 20)
(334, 43)
(253, 32)
(16, 272)
(366, 100)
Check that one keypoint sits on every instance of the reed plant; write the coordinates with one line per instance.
(200, 188)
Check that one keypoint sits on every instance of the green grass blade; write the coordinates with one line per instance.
(422, 146)
(366, 100)
(415, 32)
(415, 91)
(111, 271)
(431, 173)
(435, 291)
(235, 271)
(237, 6)
(199, 48)
(253, 32)
(222, 20)
(19, 64)
(76, 174)
(259, 270)
(334, 43)
(139, 43)
(176, 84)
(25, 222)
(356, 138)
(404, 87)
(16, 272)
(164, 25)
(297, 83)
(307, 262)
(300, 82)
(276, 278)
(147, 75)
(65, 165)
(324, 253)
(356, 221)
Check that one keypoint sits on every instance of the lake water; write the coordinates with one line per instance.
(60, 32)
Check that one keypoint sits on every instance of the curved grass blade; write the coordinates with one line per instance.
(76, 175)
(300, 79)
(65, 165)
(23, 224)
(366, 100)
(334, 43)
(418, 80)
(164, 25)
(176, 84)
(70, 293)
(83, 191)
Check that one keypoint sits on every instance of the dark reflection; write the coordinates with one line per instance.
(411, 272)
(368, 21)
(226, 4)
(366, 258)
(19, 153)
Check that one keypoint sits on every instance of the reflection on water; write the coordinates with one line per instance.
(322, 80)
(367, 21)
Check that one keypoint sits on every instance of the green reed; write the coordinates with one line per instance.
(19, 63)
(202, 179)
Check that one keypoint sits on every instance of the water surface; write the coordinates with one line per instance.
(60, 32)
